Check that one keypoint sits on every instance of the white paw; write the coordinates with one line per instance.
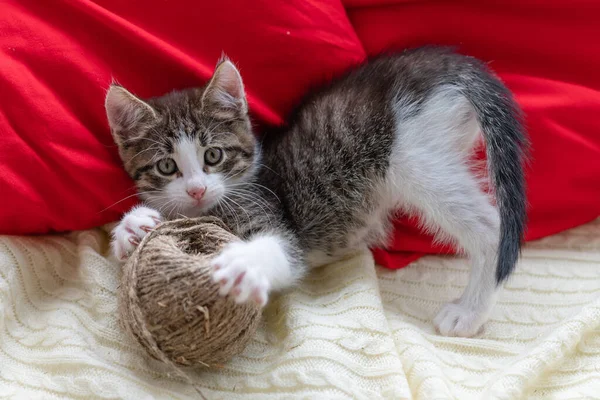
(132, 229)
(455, 319)
(240, 272)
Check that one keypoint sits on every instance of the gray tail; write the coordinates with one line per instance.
(500, 119)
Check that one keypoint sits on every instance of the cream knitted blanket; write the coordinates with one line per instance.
(351, 331)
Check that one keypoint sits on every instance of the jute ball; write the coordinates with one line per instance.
(171, 306)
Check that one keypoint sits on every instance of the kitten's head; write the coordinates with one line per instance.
(186, 149)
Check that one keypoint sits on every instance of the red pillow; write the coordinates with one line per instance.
(60, 169)
(548, 54)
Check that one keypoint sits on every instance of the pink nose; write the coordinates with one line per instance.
(197, 193)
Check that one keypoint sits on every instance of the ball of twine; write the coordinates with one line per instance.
(171, 306)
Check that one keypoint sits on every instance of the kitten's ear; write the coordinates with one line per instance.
(226, 89)
(128, 115)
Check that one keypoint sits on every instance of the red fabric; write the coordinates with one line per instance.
(60, 168)
(61, 171)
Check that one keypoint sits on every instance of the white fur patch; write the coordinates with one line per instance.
(132, 229)
(250, 270)
(431, 177)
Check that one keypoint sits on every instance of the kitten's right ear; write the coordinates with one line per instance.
(128, 115)
(225, 91)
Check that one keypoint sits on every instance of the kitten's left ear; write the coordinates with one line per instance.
(226, 89)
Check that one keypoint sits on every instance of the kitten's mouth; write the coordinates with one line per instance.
(202, 205)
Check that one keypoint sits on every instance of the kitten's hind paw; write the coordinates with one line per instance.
(132, 229)
(456, 320)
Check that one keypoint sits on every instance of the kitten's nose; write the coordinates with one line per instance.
(197, 193)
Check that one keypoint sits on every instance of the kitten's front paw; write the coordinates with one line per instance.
(239, 272)
(455, 319)
(132, 229)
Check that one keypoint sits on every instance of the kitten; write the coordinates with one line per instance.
(394, 134)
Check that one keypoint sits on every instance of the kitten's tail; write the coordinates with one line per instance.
(500, 119)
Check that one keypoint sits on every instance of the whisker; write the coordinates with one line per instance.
(164, 206)
(269, 168)
(263, 210)
(143, 151)
(211, 128)
(228, 177)
(128, 197)
(174, 206)
(240, 207)
(256, 184)
(147, 139)
(251, 196)
(233, 213)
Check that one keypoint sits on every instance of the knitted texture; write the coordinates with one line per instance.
(350, 331)
(169, 302)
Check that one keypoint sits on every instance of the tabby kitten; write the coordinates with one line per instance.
(394, 134)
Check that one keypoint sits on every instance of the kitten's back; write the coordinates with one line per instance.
(327, 166)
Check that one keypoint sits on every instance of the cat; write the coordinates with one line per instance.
(396, 133)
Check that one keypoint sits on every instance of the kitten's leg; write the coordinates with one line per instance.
(451, 201)
(132, 229)
(430, 175)
(250, 270)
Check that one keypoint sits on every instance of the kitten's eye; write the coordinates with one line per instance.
(166, 166)
(213, 156)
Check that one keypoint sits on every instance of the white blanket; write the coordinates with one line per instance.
(351, 331)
